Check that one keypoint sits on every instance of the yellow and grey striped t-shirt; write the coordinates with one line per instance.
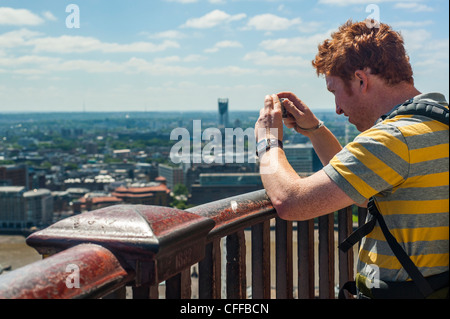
(404, 163)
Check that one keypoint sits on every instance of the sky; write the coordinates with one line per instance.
(182, 55)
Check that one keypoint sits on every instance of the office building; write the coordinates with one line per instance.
(38, 207)
(302, 158)
(213, 187)
(14, 175)
(173, 175)
(12, 208)
(223, 112)
(21, 209)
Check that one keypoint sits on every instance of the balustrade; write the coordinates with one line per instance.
(140, 247)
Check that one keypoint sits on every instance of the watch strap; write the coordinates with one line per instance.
(269, 143)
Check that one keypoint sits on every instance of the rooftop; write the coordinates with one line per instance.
(11, 189)
(37, 192)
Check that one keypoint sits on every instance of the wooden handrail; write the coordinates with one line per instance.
(236, 213)
(141, 246)
(83, 271)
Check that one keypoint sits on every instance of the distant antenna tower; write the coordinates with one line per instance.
(223, 112)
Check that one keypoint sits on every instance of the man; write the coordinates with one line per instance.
(402, 162)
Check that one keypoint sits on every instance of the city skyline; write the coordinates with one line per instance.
(182, 55)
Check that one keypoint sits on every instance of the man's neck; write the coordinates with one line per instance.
(395, 95)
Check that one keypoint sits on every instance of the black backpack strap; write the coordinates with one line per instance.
(398, 251)
(403, 257)
(361, 231)
(350, 287)
(429, 109)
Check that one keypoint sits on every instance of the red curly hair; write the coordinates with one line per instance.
(359, 45)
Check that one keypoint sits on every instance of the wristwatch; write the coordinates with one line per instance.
(266, 144)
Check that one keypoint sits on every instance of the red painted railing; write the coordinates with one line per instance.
(129, 250)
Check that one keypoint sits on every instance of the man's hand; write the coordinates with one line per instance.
(300, 115)
(270, 123)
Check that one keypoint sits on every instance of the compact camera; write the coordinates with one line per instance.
(284, 113)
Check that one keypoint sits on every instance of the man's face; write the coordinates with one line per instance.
(350, 102)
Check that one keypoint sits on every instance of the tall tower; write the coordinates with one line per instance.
(223, 112)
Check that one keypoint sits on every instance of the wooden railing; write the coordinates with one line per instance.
(127, 251)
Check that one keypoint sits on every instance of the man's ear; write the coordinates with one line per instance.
(363, 79)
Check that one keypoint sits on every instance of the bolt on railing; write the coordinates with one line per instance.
(100, 253)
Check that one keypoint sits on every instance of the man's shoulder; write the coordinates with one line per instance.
(425, 107)
(420, 108)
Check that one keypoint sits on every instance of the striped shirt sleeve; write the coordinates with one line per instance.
(375, 162)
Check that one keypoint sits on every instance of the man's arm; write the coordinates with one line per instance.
(294, 198)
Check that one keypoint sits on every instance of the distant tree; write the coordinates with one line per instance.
(180, 189)
(179, 199)
(6, 162)
(71, 166)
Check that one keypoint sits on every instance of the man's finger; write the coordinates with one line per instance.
(287, 95)
(289, 122)
(291, 109)
(276, 103)
(268, 102)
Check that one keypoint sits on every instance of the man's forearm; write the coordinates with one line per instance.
(296, 198)
(278, 177)
(325, 144)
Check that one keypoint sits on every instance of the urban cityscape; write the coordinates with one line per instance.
(56, 165)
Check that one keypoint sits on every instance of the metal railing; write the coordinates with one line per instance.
(127, 251)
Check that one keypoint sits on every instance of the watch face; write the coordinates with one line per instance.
(261, 146)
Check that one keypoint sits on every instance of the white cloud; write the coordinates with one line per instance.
(297, 45)
(49, 16)
(17, 38)
(177, 59)
(416, 40)
(79, 44)
(90, 66)
(411, 24)
(11, 16)
(410, 5)
(415, 7)
(76, 44)
(194, 58)
(138, 65)
(270, 22)
(168, 59)
(224, 44)
(167, 67)
(427, 53)
(169, 34)
(262, 58)
(27, 60)
(213, 19)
